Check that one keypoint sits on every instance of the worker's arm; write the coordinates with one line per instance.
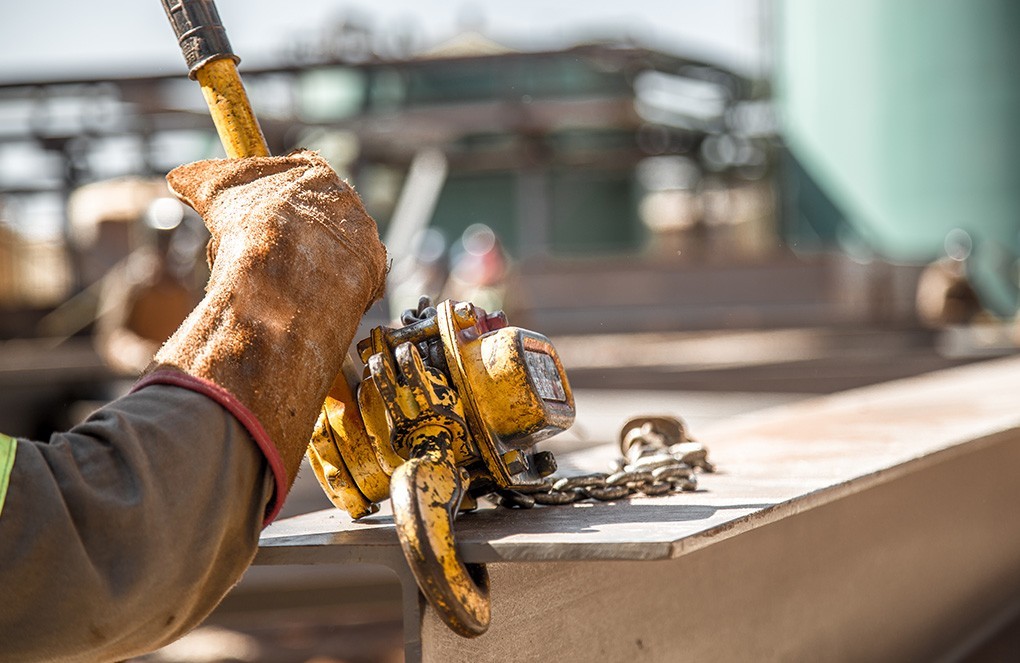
(124, 532)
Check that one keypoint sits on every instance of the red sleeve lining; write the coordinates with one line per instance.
(245, 416)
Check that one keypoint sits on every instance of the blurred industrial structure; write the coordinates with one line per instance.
(587, 150)
(628, 190)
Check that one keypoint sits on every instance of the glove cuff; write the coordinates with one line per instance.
(243, 415)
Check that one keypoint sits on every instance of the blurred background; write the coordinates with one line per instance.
(720, 205)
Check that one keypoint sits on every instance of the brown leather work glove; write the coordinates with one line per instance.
(295, 263)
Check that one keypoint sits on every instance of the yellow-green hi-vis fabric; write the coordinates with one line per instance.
(8, 446)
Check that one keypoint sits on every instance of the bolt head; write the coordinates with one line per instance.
(464, 314)
(515, 462)
(545, 463)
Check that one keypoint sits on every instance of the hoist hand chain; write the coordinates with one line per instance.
(659, 459)
(424, 310)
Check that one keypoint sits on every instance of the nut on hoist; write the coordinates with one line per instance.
(449, 408)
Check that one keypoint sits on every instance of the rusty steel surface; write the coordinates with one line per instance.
(771, 466)
(804, 492)
(908, 570)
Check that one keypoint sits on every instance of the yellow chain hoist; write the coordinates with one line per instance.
(450, 409)
(447, 408)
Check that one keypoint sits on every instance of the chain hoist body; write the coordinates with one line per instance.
(449, 408)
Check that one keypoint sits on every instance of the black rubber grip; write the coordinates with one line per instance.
(199, 31)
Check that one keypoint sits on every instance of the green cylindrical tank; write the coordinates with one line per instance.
(907, 114)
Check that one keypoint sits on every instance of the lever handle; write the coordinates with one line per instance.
(211, 61)
(199, 31)
(426, 491)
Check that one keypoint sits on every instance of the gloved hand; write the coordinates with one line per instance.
(295, 263)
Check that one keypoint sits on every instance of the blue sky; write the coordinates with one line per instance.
(55, 38)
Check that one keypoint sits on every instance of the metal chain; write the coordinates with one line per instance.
(424, 311)
(659, 458)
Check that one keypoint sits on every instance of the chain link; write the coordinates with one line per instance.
(659, 458)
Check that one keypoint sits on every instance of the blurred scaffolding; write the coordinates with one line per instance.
(601, 149)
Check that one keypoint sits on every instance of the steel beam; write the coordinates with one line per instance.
(873, 524)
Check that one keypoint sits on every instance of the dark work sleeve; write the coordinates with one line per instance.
(125, 532)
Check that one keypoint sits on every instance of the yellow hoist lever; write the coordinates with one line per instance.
(211, 61)
(447, 408)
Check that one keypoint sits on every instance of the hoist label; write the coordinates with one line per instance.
(545, 376)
